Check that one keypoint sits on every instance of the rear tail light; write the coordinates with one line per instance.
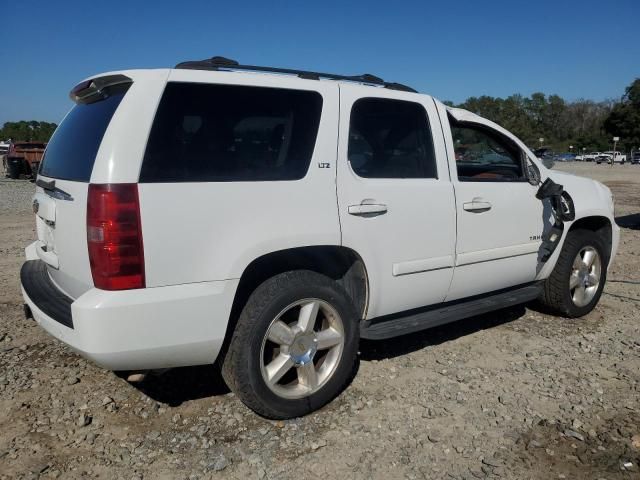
(114, 236)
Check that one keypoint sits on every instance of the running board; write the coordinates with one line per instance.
(402, 323)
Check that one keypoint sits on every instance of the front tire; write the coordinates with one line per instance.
(294, 347)
(576, 283)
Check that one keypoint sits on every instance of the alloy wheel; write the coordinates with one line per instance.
(585, 276)
(302, 348)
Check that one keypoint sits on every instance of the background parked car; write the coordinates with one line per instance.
(24, 158)
(616, 157)
(591, 157)
(635, 158)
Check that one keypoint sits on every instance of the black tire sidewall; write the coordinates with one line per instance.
(580, 240)
(300, 285)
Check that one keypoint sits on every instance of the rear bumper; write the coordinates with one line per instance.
(141, 329)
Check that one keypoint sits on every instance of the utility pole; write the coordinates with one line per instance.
(615, 142)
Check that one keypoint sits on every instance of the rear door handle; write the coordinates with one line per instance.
(367, 209)
(477, 206)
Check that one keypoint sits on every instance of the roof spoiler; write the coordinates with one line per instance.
(98, 88)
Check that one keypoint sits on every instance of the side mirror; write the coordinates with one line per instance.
(533, 174)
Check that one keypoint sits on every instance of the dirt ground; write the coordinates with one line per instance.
(514, 394)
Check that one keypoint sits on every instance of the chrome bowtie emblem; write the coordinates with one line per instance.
(36, 206)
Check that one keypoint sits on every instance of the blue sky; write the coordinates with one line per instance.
(451, 50)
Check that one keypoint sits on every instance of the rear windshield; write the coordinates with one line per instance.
(72, 150)
(224, 133)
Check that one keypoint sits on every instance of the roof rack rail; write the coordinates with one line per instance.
(222, 63)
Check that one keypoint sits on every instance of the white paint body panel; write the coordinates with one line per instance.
(148, 328)
(62, 231)
(496, 248)
(119, 158)
(197, 232)
(504, 232)
(200, 237)
(408, 251)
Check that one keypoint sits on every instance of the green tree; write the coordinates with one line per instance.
(559, 122)
(27, 131)
(624, 119)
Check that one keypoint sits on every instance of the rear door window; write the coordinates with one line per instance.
(390, 139)
(71, 153)
(227, 133)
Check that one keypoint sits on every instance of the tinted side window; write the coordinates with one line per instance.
(484, 155)
(224, 133)
(390, 139)
(71, 153)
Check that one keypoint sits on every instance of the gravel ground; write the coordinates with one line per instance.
(513, 394)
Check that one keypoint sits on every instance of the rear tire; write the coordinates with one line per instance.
(576, 283)
(294, 348)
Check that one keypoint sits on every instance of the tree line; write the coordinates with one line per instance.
(29, 131)
(583, 124)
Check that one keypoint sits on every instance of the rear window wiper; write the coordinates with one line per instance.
(50, 189)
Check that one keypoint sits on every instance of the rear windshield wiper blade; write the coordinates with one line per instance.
(50, 189)
(47, 185)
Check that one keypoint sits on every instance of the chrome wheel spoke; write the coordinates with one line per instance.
(589, 256)
(328, 338)
(308, 315)
(579, 295)
(585, 277)
(574, 280)
(278, 367)
(308, 376)
(318, 327)
(280, 333)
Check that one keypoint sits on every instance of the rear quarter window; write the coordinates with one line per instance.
(226, 133)
(71, 153)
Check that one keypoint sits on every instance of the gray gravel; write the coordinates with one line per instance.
(514, 394)
(15, 196)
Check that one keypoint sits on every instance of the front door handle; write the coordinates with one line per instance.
(477, 206)
(367, 209)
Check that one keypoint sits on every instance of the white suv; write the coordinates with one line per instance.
(269, 219)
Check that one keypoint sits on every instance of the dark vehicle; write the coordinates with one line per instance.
(24, 158)
(635, 158)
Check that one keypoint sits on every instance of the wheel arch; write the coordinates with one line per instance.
(342, 264)
(598, 224)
